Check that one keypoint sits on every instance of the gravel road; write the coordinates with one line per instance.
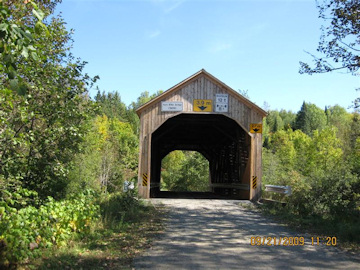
(216, 234)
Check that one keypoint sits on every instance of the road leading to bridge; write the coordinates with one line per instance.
(216, 234)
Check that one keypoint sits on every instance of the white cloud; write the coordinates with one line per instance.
(168, 5)
(174, 6)
(153, 34)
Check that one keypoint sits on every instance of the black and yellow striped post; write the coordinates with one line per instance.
(145, 179)
(254, 182)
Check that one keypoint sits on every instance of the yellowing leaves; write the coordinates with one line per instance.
(102, 126)
(109, 157)
(72, 225)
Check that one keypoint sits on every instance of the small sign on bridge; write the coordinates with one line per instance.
(222, 103)
(203, 105)
(256, 128)
(175, 106)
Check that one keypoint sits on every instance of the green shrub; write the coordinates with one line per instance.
(117, 209)
(23, 231)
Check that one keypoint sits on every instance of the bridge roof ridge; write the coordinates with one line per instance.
(196, 75)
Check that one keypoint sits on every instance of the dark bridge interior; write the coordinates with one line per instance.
(219, 139)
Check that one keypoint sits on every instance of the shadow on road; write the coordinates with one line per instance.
(216, 234)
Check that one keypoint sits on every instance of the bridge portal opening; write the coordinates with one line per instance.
(219, 139)
(185, 171)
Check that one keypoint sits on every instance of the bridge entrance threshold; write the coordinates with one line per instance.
(192, 195)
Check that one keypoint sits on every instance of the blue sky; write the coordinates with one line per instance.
(253, 45)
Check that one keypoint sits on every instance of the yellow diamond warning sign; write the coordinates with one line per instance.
(256, 128)
(202, 105)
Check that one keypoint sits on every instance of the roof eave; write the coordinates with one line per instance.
(189, 79)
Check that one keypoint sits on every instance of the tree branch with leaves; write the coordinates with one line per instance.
(339, 44)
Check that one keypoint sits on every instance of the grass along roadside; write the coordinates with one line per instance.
(112, 245)
(345, 229)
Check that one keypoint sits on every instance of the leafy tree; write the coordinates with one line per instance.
(322, 168)
(288, 118)
(340, 38)
(355, 158)
(354, 143)
(310, 118)
(111, 105)
(43, 122)
(144, 98)
(301, 121)
(274, 121)
(275, 172)
(271, 167)
(338, 117)
(109, 156)
(171, 168)
(279, 120)
(185, 171)
(301, 143)
(194, 173)
(131, 113)
(281, 144)
(126, 143)
(266, 133)
(16, 40)
(325, 152)
(278, 123)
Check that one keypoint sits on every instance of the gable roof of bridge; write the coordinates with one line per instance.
(192, 78)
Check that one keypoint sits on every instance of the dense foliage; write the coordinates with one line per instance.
(185, 171)
(54, 141)
(24, 231)
(320, 164)
(109, 155)
(44, 106)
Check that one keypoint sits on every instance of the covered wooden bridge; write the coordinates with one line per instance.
(203, 114)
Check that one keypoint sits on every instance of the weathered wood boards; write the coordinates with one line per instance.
(202, 93)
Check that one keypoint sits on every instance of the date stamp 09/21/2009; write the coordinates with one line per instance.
(292, 241)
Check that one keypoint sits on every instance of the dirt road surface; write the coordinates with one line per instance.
(216, 234)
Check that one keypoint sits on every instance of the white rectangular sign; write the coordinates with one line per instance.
(174, 106)
(222, 103)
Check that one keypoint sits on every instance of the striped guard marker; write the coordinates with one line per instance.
(145, 179)
(254, 182)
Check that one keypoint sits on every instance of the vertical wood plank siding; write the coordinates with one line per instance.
(200, 87)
